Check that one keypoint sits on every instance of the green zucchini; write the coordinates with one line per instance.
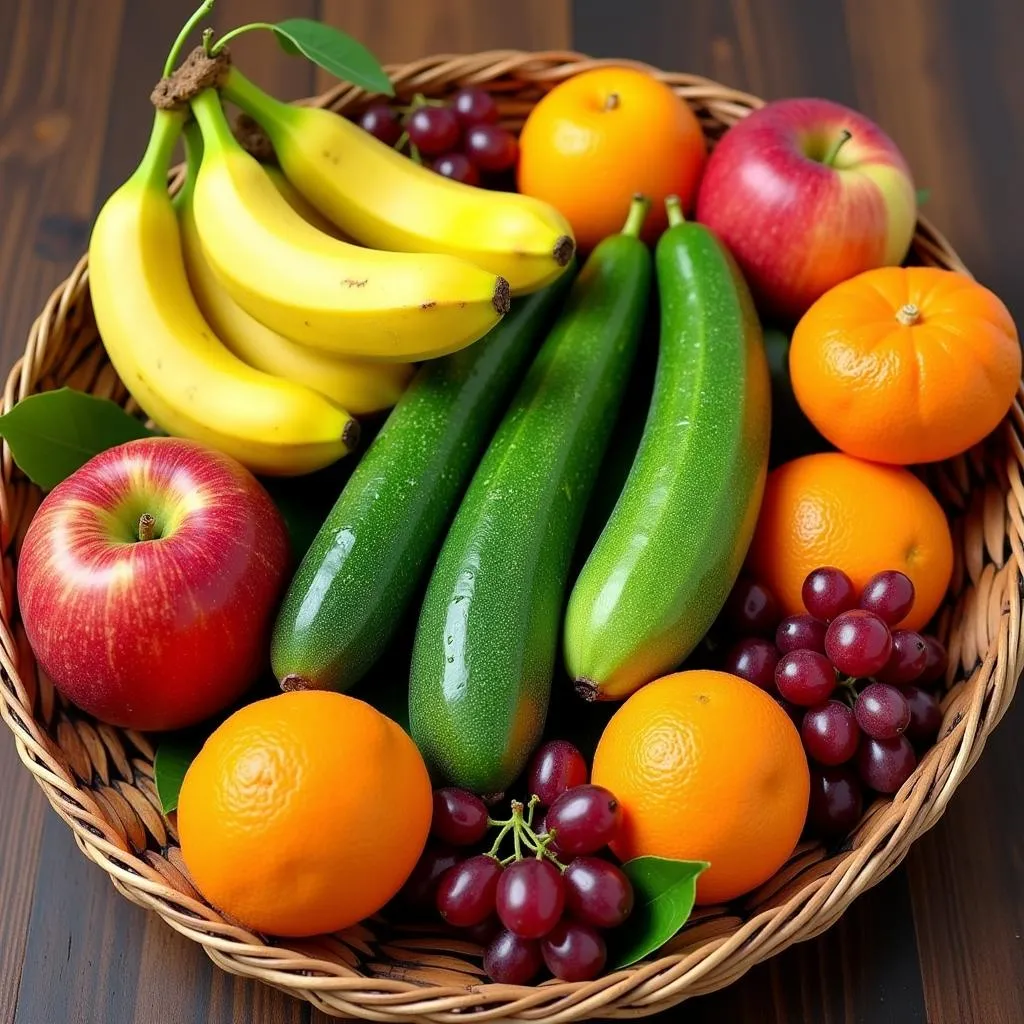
(673, 546)
(486, 642)
(378, 541)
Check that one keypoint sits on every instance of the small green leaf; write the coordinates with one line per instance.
(664, 892)
(923, 195)
(54, 433)
(173, 757)
(335, 52)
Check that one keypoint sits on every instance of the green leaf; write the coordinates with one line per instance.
(665, 891)
(334, 51)
(54, 433)
(923, 195)
(173, 757)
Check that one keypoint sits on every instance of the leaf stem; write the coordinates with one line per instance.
(200, 12)
(235, 32)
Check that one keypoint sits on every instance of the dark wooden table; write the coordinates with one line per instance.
(940, 940)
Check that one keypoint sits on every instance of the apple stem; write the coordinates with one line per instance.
(830, 157)
(146, 525)
(908, 315)
(611, 101)
(674, 209)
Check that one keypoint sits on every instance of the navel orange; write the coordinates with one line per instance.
(304, 813)
(706, 766)
(831, 509)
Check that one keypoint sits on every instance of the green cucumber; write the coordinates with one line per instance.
(378, 541)
(487, 638)
(673, 546)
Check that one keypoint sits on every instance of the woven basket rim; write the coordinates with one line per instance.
(982, 625)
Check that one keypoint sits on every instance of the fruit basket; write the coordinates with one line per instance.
(100, 780)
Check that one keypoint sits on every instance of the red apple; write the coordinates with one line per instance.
(159, 632)
(807, 193)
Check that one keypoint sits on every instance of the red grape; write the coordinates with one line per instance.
(830, 733)
(885, 765)
(433, 129)
(457, 166)
(800, 633)
(484, 932)
(460, 817)
(925, 716)
(936, 662)
(907, 661)
(827, 592)
(597, 892)
(754, 659)
(556, 767)
(837, 801)
(475, 106)
(466, 893)
(531, 897)
(584, 819)
(491, 148)
(889, 594)
(574, 951)
(510, 960)
(753, 608)
(858, 643)
(882, 711)
(382, 122)
(542, 832)
(421, 886)
(805, 677)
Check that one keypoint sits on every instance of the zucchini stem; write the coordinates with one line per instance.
(637, 215)
(674, 209)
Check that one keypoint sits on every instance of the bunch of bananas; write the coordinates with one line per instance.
(261, 310)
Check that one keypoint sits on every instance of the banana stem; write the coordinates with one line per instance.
(200, 12)
(251, 98)
(637, 215)
(156, 161)
(674, 209)
(212, 120)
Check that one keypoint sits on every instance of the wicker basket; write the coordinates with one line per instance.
(100, 780)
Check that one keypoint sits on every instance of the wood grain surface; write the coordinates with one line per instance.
(940, 941)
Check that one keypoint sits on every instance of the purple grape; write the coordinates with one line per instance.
(754, 659)
(531, 897)
(936, 662)
(907, 661)
(597, 892)
(882, 711)
(752, 608)
(828, 592)
(460, 817)
(584, 819)
(890, 595)
(805, 678)
(491, 148)
(830, 733)
(556, 768)
(475, 106)
(458, 167)
(420, 888)
(484, 932)
(800, 633)
(837, 801)
(433, 130)
(925, 716)
(510, 960)
(858, 643)
(574, 951)
(885, 765)
(382, 122)
(466, 893)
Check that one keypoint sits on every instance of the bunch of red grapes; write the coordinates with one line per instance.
(547, 902)
(855, 686)
(460, 139)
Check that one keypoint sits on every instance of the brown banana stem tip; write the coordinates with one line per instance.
(292, 683)
(586, 689)
(199, 72)
(563, 250)
(350, 435)
(502, 300)
(254, 140)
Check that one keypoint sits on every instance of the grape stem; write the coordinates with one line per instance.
(520, 824)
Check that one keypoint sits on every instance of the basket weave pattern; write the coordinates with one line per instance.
(100, 779)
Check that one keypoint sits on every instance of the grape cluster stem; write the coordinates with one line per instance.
(520, 824)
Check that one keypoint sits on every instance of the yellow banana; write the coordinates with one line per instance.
(167, 354)
(320, 291)
(295, 199)
(382, 199)
(359, 387)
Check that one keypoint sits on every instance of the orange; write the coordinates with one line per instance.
(832, 509)
(304, 813)
(600, 137)
(706, 766)
(906, 364)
